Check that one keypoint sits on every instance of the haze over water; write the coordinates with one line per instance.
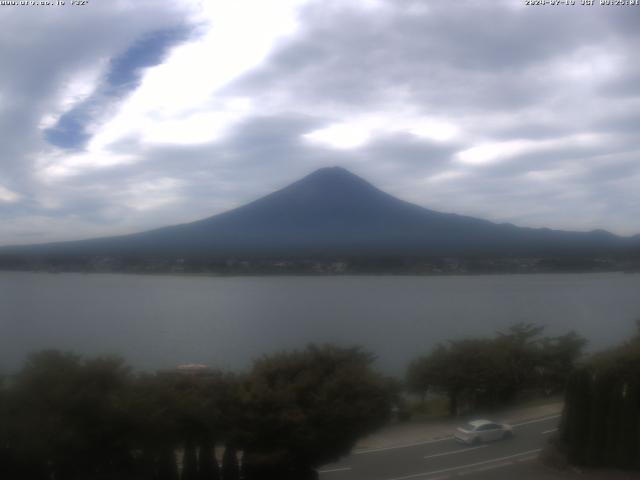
(162, 321)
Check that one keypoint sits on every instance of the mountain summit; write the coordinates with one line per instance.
(333, 212)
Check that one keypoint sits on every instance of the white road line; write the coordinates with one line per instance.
(332, 470)
(527, 459)
(452, 452)
(444, 439)
(406, 445)
(549, 431)
(462, 467)
(485, 469)
(538, 420)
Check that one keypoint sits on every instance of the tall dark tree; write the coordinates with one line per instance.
(152, 406)
(190, 462)
(629, 443)
(576, 415)
(167, 467)
(230, 467)
(601, 421)
(208, 468)
(172, 410)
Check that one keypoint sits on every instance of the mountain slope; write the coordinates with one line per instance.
(333, 212)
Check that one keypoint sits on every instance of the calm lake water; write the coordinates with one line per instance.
(161, 321)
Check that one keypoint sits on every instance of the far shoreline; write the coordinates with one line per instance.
(322, 275)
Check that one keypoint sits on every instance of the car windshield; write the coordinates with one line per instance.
(469, 427)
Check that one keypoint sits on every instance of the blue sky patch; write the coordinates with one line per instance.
(71, 129)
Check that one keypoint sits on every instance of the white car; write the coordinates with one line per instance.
(479, 431)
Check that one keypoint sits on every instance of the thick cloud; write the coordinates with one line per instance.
(122, 75)
(168, 111)
(51, 60)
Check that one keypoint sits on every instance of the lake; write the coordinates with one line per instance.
(162, 321)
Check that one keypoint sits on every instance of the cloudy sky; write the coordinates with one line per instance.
(123, 115)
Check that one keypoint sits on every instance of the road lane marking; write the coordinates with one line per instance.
(443, 439)
(485, 469)
(406, 445)
(538, 420)
(462, 467)
(527, 459)
(549, 431)
(452, 452)
(332, 470)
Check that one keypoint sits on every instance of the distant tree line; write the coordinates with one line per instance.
(319, 264)
(64, 417)
(478, 373)
(601, 421)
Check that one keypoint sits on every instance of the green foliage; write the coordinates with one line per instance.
(70, 418)
(307, 408)
(556, 360)
(477, 373)
(66, 416)
(520, 353)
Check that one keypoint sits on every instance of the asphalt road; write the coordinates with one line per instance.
(446, 458)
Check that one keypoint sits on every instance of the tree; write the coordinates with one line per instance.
(7, 456)
(68, 420)
(190, 462)
(574, 426)
(152, 405)
(556, 360)
(601, 422)
(479, 372)
(520, 347)
(307, 408)
(230, 468)
(420, 377)
(167, 469)
(468, 371)
(208, 468)
(629, 440)
(171, 410)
